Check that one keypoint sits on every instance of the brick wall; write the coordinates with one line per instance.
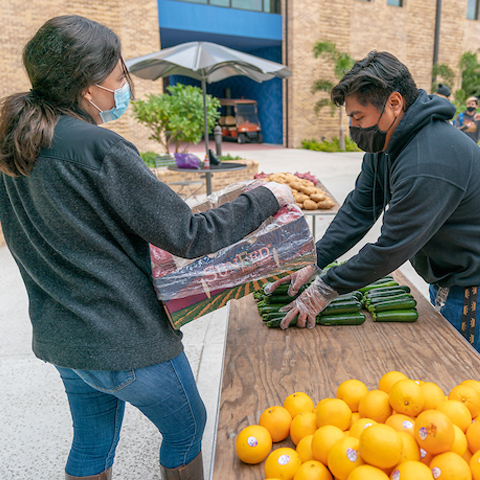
(136, 23)
(357, 27)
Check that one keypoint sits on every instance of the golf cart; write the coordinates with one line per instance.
(239, 120)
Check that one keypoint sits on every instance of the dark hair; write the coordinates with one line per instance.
(67, 55)
(373, 79)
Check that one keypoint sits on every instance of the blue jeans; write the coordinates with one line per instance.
(165, 393)
(453, 310)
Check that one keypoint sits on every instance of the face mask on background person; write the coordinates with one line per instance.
(471, 109)
(122, 99)
(371, 139)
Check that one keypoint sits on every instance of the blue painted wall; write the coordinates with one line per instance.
(194, 17)
(257, 33)
(267, 94)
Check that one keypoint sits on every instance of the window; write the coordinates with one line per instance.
(395, 3)
(255, 5)
(266, 6)
(472, 10)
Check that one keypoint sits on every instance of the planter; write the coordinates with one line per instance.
(220, 180)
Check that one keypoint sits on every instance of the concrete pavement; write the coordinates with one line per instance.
(35, 431)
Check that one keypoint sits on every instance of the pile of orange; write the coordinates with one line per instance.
(404, 429)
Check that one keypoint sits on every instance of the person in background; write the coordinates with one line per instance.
(79, 208)
(424, 176)
(443, 91)
(469, 120)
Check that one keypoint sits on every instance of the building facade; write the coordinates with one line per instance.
(284, 31)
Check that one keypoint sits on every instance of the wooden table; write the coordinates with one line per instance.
(263, 366)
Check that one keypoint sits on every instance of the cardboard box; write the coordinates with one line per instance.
(192, 288)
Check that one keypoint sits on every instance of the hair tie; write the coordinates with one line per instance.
(35, 94)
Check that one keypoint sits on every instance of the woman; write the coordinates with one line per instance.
(78, 209)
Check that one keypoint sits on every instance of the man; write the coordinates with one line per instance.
(422, 173)
(469, 121)
(443, 91)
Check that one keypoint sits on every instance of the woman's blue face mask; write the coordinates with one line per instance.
(122, 99)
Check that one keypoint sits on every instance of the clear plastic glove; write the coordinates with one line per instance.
(297, 279)
(308, 305)
(282, 193)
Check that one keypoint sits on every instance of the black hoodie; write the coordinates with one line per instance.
(428, 182)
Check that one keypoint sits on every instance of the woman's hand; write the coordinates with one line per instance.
(308, 305)
(282, 193)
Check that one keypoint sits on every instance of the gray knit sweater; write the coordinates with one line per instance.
(79, 228)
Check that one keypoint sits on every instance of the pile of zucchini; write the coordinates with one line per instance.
(388, 301)
(385, 299)
(344, 310)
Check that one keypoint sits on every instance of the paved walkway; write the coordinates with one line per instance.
(35, 424)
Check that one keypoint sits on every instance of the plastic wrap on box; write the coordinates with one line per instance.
(192, 288)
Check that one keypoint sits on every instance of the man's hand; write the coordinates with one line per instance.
(297, 279)
(308, 305)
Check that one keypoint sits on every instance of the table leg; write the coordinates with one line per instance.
(208, 182)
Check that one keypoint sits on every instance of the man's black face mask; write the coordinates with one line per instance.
(371, 139)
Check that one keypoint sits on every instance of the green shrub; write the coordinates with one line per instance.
(149, 158)
(333, 146)
(227, 157)
(177, 116)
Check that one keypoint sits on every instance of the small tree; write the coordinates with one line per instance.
(442, 73)
(470, 75)
(341, 63)
(176, 116)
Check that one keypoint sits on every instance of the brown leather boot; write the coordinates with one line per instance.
(191, 471)
(106, 475)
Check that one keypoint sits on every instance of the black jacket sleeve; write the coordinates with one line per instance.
(409, 223)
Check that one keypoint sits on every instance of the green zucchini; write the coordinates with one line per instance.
(270, 308)
(341, 308)
(399, 304)
(396, 316)
(388, 290)
(348, 319)
(385, 279)
(375, 300)
(367, 288)
(275, 323)
(285, 299)
(348, 297)
(273, 315)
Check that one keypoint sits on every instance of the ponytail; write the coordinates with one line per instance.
(67, 55)
(26, 127)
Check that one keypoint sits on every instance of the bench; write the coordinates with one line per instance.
(263, 366)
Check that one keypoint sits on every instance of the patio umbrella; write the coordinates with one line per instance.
(207, 62)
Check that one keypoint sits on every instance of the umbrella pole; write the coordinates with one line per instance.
(208, 175)
(205, 121)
